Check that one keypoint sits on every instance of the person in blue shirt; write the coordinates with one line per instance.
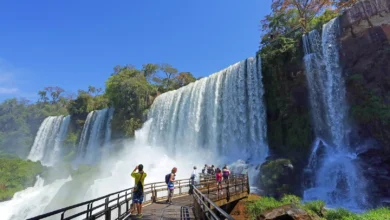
(171, 185)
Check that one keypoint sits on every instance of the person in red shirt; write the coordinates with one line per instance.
(218, 177)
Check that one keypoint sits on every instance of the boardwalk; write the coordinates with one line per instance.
(205, 202)
(182, 208)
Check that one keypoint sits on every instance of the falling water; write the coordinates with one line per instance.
(95, 135)
(223, 114)
(336, 179)
(31, 201)
(49, 139)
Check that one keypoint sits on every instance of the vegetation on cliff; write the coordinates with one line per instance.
(16, 175)
(315, 209)
(289, 129)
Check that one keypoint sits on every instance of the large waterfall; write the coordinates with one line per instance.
(49, 139)
(336, 179)
(223, 114)
(95, 135)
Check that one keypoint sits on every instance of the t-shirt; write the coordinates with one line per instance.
(137, 177)
(218, 176)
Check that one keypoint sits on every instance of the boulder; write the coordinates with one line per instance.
(276, 177)
(286, 212)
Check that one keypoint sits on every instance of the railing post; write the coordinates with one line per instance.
(179, 187)
(119, 207)
(247, 183)
(107, 210)
(127, 202)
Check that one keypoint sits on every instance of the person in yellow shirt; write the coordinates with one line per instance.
(138, 192)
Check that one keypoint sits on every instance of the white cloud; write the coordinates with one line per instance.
(8, 91)
(7, 79)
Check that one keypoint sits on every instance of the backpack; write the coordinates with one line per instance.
(138, 188)
(167, 178)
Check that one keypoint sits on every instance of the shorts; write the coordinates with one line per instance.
(138, 198)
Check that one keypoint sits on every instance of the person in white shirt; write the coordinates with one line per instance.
(193, 180)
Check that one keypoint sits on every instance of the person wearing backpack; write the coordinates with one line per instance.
(170, 182)
(225, 173)
(138, 191)
(193, 181)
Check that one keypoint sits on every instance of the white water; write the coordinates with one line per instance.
(95, 136)
(48, 141)
(337, 179)
(216, 120)
(222, 114)
(31, 201)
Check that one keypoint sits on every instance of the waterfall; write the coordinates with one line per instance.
(336, 179)
(49, 139)
(31, 201)
(95, 135)
(223, 114)
(217, 120)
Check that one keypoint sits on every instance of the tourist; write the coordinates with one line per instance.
(205, 169)
(193, 181)
(171, 185)
(218, 178)
(138, 191)
(225, 173)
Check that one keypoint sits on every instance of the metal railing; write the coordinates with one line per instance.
(206, 196)
(118, 204)
(115, 205)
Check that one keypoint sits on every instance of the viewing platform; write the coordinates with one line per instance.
(206, 201)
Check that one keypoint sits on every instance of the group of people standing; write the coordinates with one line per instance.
(139, 178)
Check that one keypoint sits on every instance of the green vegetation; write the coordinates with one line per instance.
(314, 208)
(16, 175)
(276, 178)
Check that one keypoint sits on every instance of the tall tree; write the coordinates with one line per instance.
(169, 71)
(149, 70)
(307, 9)
(55, 93)
(43, 96)
(184, 78)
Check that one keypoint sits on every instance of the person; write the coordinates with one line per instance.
(171, 185)
(205, 169)
(210, 170)
(218, 178)
(193, 181)
(225, 173)
(138, 191)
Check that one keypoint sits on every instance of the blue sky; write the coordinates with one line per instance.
(76, 43)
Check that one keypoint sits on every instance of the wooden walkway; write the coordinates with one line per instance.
(181, 208)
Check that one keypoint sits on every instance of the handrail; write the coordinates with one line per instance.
(121, 197)
(206, 204)
(235, 185)
(117, 205)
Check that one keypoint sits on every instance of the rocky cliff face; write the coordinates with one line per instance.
(365, 56)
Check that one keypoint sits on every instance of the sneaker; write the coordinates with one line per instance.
(139, 215)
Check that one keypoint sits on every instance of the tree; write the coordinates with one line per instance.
(55, 93)
(91, 90)
(43, 96)
(184, 78)
(307, 9)
(149, 70)
(169, 71)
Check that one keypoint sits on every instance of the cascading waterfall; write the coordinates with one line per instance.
(336, 179)
(95, 135)
(49, 139)
(218, 119)
(223, 114)
(31, 201)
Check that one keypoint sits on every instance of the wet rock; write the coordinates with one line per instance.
(286, 212)
(276, 177)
